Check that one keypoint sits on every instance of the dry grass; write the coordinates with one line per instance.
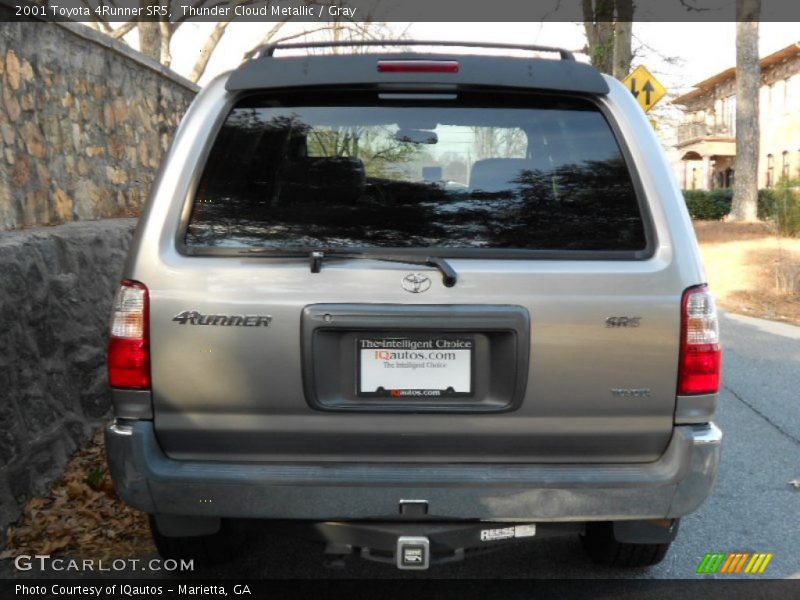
(751, 270)
(81, 516)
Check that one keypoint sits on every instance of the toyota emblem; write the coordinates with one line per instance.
(416, 283)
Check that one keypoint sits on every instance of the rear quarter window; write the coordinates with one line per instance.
(464, 176)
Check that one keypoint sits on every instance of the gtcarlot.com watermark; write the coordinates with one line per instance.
(43, 562)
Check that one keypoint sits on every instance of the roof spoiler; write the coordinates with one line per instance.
(564, 74)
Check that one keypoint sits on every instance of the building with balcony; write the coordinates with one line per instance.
(706, 142)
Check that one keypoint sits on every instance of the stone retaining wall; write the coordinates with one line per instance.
(84, 121)
(55, 298)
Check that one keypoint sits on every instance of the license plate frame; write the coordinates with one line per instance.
(404, 348)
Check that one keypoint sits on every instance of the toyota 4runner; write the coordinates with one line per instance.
(415, 304)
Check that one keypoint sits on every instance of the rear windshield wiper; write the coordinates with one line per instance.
(316, 257)
(449, 276)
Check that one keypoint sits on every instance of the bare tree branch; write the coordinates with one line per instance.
(266, 39)
(306, 32)
(690, 8)
(97, 22)
(123, 29)
(166, 38)
(207, 50)
(180, 20)
(670, 60)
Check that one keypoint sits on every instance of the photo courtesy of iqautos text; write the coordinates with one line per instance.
(314, 295)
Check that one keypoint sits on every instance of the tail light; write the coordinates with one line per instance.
(700, 360)
(128, 345)
(418, 66)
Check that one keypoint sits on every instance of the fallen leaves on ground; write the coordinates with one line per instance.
(81, 516)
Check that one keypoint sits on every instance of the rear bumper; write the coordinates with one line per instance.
(670, 487)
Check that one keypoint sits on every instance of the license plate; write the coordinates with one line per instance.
(415, 366)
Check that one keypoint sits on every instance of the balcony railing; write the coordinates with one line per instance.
(693, 131)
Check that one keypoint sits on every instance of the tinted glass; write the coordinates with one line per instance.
(550, 177)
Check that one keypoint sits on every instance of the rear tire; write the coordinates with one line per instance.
(599, 543)
(217, 548)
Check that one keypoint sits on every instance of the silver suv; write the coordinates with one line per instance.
(415, 304)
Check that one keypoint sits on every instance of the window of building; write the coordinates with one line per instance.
(785, 165)
(770, 170)
(794, 92)
(778, 90)
(728, 114)
(787, 94)
(729, 177)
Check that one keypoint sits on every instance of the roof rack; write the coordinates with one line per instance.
(269, 49)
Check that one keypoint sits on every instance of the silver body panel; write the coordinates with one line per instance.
(230, 401)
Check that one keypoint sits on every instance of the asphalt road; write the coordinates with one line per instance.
(752, 508)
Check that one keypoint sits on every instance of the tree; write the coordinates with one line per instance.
(155, 36)
(748, 81)
(609, 28)
(623, 33)
(498, 142)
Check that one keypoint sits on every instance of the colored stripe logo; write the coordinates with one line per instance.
(733, 563)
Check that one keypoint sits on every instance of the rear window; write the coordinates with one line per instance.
(452, 175)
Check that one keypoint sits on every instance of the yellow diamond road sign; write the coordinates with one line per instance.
(644, 87)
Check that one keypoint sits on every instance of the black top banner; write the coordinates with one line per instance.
(389, 10)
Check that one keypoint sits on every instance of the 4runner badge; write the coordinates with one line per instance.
(192, 317)
(416, 283)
